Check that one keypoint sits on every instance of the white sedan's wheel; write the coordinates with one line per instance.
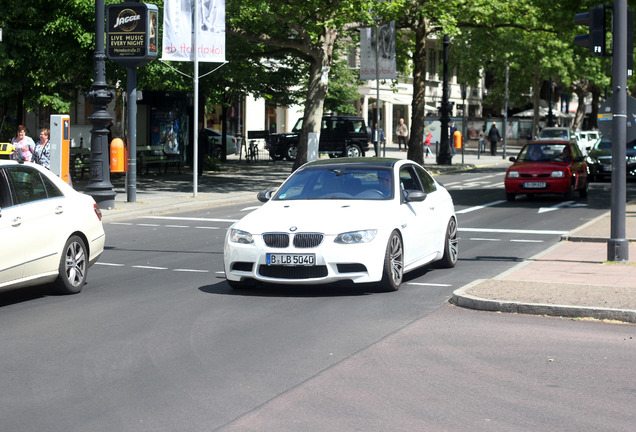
(451, 246)
(393, 271)
(73, 266)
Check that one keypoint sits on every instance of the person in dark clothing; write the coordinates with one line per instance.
(494, 138)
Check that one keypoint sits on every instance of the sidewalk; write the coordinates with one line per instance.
(570, 279)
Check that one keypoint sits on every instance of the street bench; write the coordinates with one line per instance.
(154, 155)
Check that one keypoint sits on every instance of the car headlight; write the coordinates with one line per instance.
(558, 174)
(355, 237)
(513, 174)
(238, 236)
(631, 159)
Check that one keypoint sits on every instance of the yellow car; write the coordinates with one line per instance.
(5, 150)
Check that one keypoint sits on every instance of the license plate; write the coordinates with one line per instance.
(534, 185)
(291, 259)
(607, 167)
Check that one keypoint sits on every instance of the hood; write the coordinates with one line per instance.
(538, 166)
(325, 216)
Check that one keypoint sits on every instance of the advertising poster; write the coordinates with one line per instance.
(385, 49)
(177, 30)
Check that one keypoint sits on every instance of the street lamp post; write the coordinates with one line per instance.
(444, 157)
(99, 185)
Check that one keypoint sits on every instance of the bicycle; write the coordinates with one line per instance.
(252, 151)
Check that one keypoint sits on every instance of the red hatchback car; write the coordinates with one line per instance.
(547, 167)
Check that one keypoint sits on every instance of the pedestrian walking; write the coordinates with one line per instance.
(402, 132)
(378, 139)
(482, 139)
(494, 138)
(23, 146)
(427, 145)
(42, 153)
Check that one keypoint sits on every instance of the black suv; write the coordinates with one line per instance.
(339, 136)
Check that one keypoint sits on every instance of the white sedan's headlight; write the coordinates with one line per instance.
(558, 174)
(355, 237)
(238, 236)
(513, 174)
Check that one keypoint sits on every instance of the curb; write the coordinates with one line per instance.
(461, 298)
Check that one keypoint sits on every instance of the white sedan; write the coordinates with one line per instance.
(360, 220)
(49, 231)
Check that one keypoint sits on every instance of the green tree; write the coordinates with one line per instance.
(306, 30)
(44, 56)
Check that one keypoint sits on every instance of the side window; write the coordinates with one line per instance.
(5, 194)
(408, 179)
(52, 191)
(27, 184)
(427, 181)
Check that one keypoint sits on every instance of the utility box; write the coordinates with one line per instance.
(60, 141)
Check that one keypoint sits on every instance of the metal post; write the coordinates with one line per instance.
(377, 87)
(99, 186)
(505, 125)
(195, 152)
(617, 245)
(131, 176)
(445, 157)
(464, 117)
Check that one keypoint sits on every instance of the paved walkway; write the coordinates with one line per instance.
(570, 279)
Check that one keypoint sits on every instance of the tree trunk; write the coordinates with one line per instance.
(536, 99)
(596, 96)
(580, 92)
(416, 137)
(316, 92)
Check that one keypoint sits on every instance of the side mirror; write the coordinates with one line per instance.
(512, 159)
(414, 196)
(265, 196)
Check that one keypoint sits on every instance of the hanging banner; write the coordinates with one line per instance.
(177, 30)
(385, 49)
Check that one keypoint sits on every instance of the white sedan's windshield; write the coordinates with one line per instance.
(334, 183)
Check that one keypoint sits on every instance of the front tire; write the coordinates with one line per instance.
(451, 246)
(353, 150)
(393, 269)
(291, 153)
(73, 266)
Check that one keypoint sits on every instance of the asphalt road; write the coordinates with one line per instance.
(157, 341)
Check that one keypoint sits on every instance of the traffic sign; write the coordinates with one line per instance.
(605, 118)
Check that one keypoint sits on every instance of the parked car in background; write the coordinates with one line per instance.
(385, 217)
(587, 139)
(5, 150)
(599, 160)
(340, 136)
(547, 167)
(214, 143)
(552, 133)
(49, 233)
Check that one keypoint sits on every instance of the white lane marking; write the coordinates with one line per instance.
(110, 264)
(568, 204)
(149, 267)
(250, 208)
(177, 226)
(190, 219)
(513, 231)
(526, 241)
(484, 239)
(191, 270)
(148, 225)
(479, 207)
(121, 223)
(428, 284)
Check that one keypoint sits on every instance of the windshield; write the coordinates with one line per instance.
(545, 153)
(335, 183)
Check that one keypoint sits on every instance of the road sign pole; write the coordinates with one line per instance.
(617, 245)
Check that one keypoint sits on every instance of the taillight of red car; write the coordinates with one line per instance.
(98, 212)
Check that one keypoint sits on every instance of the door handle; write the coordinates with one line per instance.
(16, 221)
(59, 210)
